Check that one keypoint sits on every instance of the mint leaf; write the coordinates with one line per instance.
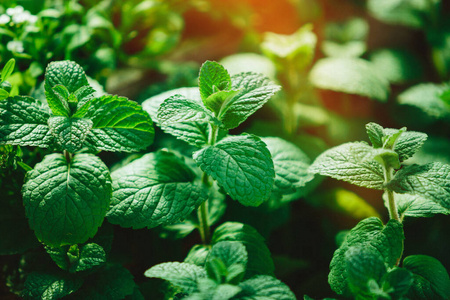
(218, 101)
(259, 258)
(290, 164)
(181, 275)
(431, 181)
(376, 134)
(212, 78)
(431, 280)
(24, 122)
(112, 282)
(242, 165)
(49, 286)
(264, 287)
(363, 265)
(416, 206)
(426, 97)
(409, 143)
(197, 255)
(118, 125)
(373, 236)
(66, 202)
(254, 91)
(66, 73)
(60, 105)
(348, 162)
(233, 256)
(91, 256)
(398, 282)
(69, 133)
(155, 189)
(8, 69)
(349, 75)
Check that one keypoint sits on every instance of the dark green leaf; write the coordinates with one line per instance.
(398, 282)
(233, 256)
(213, 78)
(66, 202)
(49, 286)
(59, 105)
(91, 256)
(69, 133)
(242, 165)
(264, 287)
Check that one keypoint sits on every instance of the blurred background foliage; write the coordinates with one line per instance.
(341, 63)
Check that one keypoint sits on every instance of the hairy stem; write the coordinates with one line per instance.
(392, 207)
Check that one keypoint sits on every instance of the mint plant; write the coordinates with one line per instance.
(368, 264)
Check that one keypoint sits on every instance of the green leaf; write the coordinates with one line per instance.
(8, 69)
(249, 62)
(348, 162)
(254, 91)
(259, 258)
(197, 255)
(372, 235)
(291, 165)
(391, 136)
(385, 157)
(234, 257)
(24, 122)
(91, 256)
(398, 282)
(431, 280)
(118, 125)
(349, 75)
(416, 206)
(66, 202)
(69, 133)
(49, 286)
(112, 282)
(66, 73)
(218, 101)
(346, 39)
(3, 94)
(181, 275)
(376, 134)
(242, 165)
(431, 181)
(212, 78)
(409, 143)
(60, 105)
(210, 290)
(264, 287)
(362, 265)
(397, 66)
(155, 189)
(426, 97)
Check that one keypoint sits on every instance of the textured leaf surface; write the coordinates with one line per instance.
(182, 275)
(242, 165)
(290, 163)
(348, 162)
(66, 203)
(254, 91)
(371, 235)
(155, 189)
(431, 181)
(416, 206)
(49, 286)
(349, 75)
(400, 280)
(69, 133)
(265, 287)
(229, 252)
(213, 77)
(119, 125)
(376, 134)
(431, 279)
(408, 143)
(24, 122)
(259, 258)
(91, 256)
(426, 97)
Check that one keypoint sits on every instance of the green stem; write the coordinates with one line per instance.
(202, 212)
(392, 207)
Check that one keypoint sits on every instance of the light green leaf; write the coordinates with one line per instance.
(218, 101)
(346, 39)
(242, 165)
(49, 286)
(254, 91)
(291, 165)
(8, 69)
(249, 62)
(181, 275)
(426, 97)
(348, 49)
(66, 202)
(155, 189)
(264, 287)
(397, 66)
(431, 280)
(416, 206)
(197, 255)
(431, 181)
(385, 157)
(409, 143)
(371, 235)
(212, 78)
(3, 94)
(361, 266)
(349, 75)
(69, 133)
(59, 105)
(348, 162)
(259, 258)
(24, 122)
(118, 125)
(376, 134)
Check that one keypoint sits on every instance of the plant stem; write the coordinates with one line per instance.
(202, 212)
(67, 156)
(393, 212)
